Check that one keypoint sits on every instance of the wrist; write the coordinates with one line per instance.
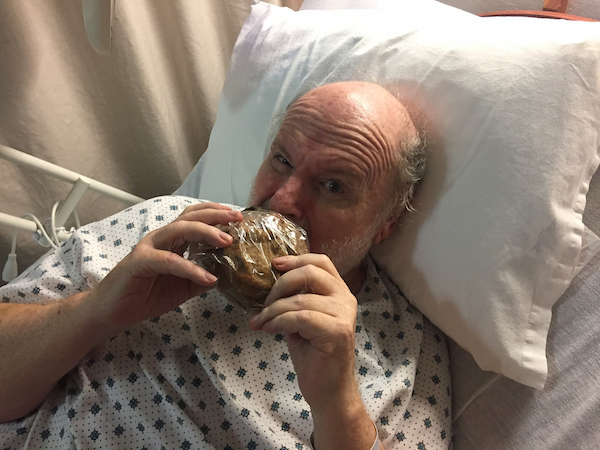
(376, 442)
(90, 322)
(343, 425)
(344, 400)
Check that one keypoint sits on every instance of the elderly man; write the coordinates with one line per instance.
(150, 357)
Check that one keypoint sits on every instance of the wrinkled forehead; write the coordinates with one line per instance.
(353, 106)
(361, 119)
(342, 102)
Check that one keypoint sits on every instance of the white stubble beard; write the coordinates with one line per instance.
(348, 252)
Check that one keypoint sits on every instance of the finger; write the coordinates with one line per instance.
(209, 216)
(176, 234)
(299, 302)
(311, 325)
(304, 279)
(154, 262)
(204, 205)
(286, 263)
(212, 216)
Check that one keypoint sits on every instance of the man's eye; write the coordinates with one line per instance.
(333, 186)
(282, 160)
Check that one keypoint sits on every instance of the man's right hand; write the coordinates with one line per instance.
(155, 278)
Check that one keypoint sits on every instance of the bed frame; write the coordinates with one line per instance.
(553, 9)
(80, 185)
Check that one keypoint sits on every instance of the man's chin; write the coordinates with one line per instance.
(342, 262)
(347, 254)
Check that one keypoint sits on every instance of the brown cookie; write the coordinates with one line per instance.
(244, 268)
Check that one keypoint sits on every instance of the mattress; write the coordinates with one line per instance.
(492, 412)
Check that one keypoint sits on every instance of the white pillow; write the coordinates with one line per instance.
(516, 105)
(226, 170)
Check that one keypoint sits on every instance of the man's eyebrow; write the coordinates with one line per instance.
(340, 172)
(350, 178)
(343, 174)
(281, 149)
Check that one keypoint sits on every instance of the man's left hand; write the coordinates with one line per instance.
(315, 310)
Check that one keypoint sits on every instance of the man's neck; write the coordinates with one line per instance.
(356, 277)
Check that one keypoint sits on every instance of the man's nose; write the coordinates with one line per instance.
(287, 200)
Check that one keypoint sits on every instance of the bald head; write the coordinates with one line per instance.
(355, 102)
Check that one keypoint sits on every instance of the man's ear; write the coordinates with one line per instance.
(386, 229)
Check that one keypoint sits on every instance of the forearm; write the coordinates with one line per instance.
(344, 424)
(39, 344)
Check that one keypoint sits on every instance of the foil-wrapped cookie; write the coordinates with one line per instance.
(244, 268)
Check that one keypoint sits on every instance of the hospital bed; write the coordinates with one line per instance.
(493, 412)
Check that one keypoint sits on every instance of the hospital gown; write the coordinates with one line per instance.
(199, 378)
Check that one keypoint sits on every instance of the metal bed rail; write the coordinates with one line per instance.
(80, 185)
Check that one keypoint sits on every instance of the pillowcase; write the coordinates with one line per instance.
(515, 103)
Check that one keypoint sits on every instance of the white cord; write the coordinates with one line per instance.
(53, 224)
(53, 221)
(11, 270)
(40, 228)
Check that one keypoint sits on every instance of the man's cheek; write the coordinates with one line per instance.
(265, 185)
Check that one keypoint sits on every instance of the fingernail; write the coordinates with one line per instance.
(253, 320)
(225, 236)
(210, 278)
(280, 260)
